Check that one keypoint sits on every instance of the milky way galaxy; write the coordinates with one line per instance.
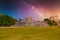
(37, 9)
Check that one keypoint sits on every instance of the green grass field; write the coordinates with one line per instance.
(30, 33)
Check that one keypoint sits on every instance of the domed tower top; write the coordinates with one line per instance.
(28, 19)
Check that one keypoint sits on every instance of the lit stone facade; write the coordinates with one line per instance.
(55, 18)
(30, 22)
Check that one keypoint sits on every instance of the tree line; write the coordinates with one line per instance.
(6, 20)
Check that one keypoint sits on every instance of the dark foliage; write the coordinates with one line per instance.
(50, 22)
(6, 20)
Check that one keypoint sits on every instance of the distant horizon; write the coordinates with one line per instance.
(31, 17)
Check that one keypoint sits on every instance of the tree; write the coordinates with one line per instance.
(50, 22)
(6, 20)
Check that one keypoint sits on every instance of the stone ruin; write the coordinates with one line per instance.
(30, 22)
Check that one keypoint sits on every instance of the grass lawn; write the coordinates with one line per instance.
(30, 33)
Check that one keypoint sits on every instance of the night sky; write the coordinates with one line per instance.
(37, 9)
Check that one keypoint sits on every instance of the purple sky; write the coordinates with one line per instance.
(37, 9)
